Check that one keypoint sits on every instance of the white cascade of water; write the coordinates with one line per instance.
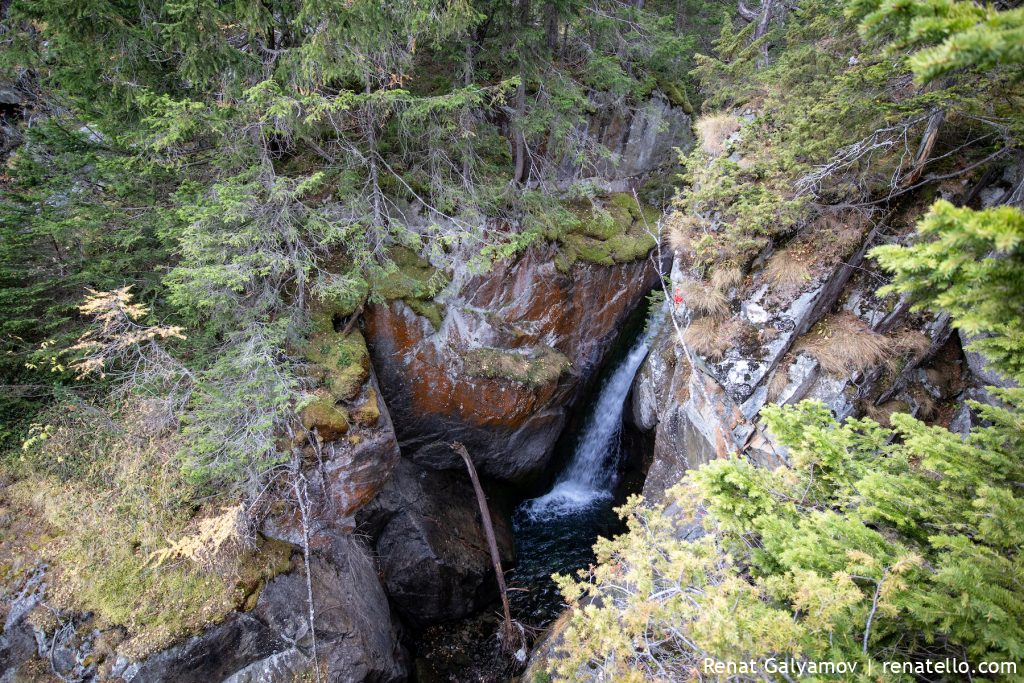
(590, 475)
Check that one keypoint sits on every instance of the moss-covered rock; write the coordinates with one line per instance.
(411, 277)
(532, 367)
(343, 360)
(431, 310)
(368, 412)
(329, 419)
(616, 231)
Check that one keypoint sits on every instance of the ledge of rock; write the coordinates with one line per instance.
(511, 352)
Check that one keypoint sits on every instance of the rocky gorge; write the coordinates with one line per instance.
(393, 537)
(499, 361)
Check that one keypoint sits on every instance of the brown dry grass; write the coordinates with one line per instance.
(704, 298)
(681, 229)
(883, 414)
(780, 379)
(911, 343)
(713, 130)
(844, 344)
(711, 337)
(835, 236)
(788, 272)
(726, 277)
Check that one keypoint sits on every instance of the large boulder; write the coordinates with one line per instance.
(433, 555)
(355, 638)
(499, 368)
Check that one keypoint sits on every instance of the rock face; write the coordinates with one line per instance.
(355, 637)
(640, 140)
(430, 542)
(511, 352)
(703, 407)
(342, 475)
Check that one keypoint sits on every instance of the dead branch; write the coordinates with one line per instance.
(513, 639)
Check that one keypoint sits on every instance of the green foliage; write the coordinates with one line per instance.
(970, 263)
(871, 543)
(952, 35)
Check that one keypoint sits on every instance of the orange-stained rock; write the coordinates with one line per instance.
(344, 476)
(524, 307)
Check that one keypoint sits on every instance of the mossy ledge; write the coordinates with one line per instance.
(413, 280)
(614, 229)
(533, 367)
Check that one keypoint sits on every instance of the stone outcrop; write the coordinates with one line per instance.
(430, 544)
(510, 354)
(639, 139)
(355, 636)
(702, 408)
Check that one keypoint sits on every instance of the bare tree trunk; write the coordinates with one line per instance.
(519, 145)
(301, 498)
(762, 29)
(924, 150)
(508, 628)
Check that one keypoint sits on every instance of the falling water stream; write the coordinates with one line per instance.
(555, 532)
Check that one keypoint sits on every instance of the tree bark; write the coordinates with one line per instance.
(520, 172)
(924, 150)
(485, 514)
(746, 13)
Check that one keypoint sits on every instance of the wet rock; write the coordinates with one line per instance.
(546, 332)
(343, 475)
(430, 542)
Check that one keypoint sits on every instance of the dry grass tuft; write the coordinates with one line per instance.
(714, 130)
(780, 380)
(704, 298)
(844, 344)
(726, 277)
(711, 337)
(787, 272)
(883, 414)
(911, 343)
(681, 230)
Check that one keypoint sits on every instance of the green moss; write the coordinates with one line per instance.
(532, 367)
(615, 232)
(329, 419)
(631, 246)
(431, 310)
(676, 93)
(409, 277)
(368, 412)
(589, 249)
(324, 314)
(344, 361)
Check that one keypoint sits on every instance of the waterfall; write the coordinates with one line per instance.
(590, 475)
